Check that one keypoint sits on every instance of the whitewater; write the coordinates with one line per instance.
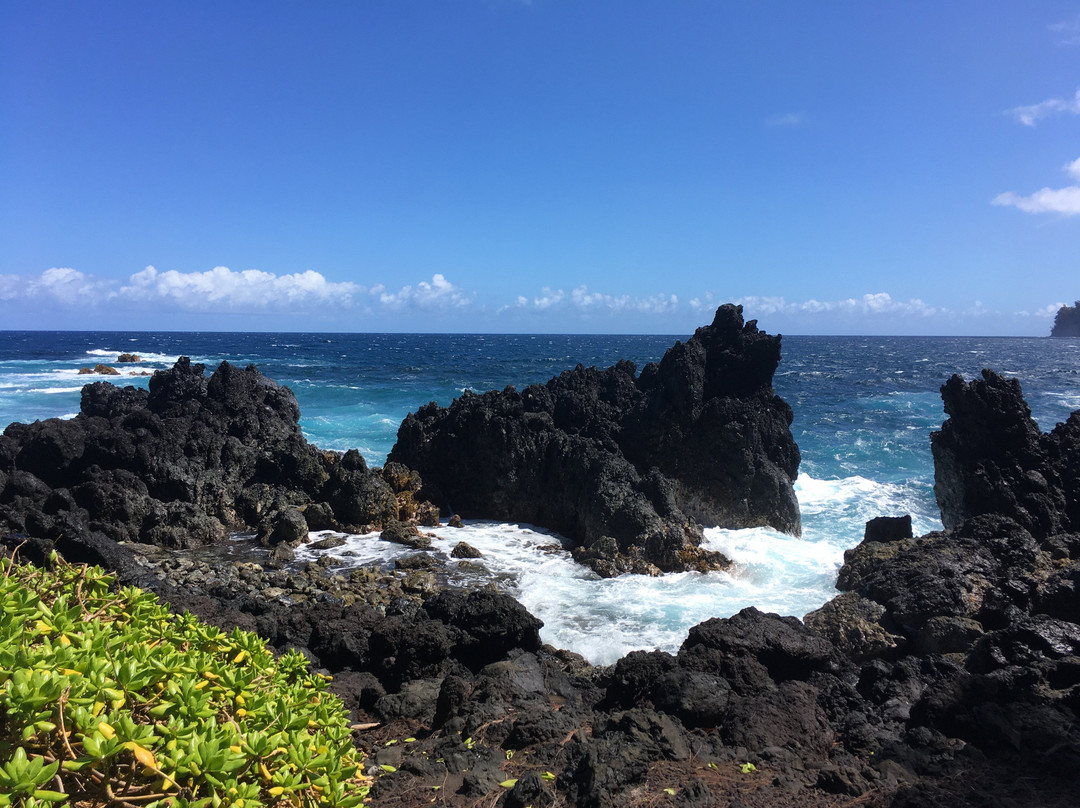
(864, 409)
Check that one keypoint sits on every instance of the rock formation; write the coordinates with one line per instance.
(991, 458)
(182, 465)
(1067, 322)
(626, 466)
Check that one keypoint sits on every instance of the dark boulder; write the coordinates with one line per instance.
(406, 534)
(888, 528)
(611, 456)
(288, 527)
(493, 624)
(696, 698)
(465, 550)
(754, 650)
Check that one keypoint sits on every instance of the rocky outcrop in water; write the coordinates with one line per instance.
(1067, 322)
(184, 463)
(990, 457)
(627, 466)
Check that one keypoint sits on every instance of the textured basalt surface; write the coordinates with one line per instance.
(628, 467)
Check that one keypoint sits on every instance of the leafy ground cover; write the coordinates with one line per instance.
(109, 699)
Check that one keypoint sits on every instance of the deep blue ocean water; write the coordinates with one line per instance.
(864, 409)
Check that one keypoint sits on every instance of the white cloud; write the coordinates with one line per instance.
(547, 299)
(1048, 312)
(1067, 31)
(872, 304)
(440, 293)
(1031, 115)
(1045, 200)
(67, 286)
(581, 300)
(224, 290)
(1065, 201)
(221, 287)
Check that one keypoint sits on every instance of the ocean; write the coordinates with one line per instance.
(864, 409)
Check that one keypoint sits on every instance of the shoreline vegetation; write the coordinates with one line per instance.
(946, 669)
(107, 698)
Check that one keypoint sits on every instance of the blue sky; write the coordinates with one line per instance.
(548, 166)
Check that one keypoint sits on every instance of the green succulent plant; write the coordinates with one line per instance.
(109, 699)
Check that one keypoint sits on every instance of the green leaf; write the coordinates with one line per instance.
(509, 783)
(50, 796)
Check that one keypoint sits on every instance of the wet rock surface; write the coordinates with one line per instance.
(627, 466)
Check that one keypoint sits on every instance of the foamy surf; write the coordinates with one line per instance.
(603, 619)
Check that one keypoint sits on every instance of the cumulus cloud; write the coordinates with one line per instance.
(222, 287)
(1047, 312)
(1032, 114)
(1065, 201)
(581, 300)
(62, 285)
(440, 293)
(224, 290)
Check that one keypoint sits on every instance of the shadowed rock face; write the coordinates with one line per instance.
(627, 466)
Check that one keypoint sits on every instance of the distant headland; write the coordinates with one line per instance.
(1067, 322)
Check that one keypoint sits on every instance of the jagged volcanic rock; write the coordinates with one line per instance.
(181, 465)
(991, 458)
(968, 637)
(626, 466)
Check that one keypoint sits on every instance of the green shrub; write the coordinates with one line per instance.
(107, 698)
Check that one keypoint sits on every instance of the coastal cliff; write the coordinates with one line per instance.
(626, 466)
(1067, 322)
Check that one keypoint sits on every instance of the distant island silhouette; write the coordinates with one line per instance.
(1067, 322)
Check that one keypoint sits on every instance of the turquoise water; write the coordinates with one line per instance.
(864, 409)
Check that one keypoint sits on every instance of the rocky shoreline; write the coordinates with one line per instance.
(947, 672)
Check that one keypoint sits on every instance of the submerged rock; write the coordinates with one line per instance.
(608, 457)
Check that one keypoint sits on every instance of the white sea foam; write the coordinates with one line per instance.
(603, 619)
(146, 357)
